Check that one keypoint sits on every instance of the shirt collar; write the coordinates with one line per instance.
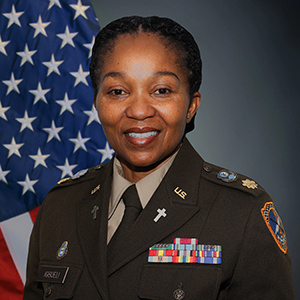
(145, 187)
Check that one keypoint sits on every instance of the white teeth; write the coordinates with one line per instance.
(142, 135)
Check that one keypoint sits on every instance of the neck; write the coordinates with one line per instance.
(135, 173)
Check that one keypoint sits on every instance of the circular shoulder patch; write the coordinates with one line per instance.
(227, 176)
(275, 225)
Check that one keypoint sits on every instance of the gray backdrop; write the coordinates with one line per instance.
(248, 120)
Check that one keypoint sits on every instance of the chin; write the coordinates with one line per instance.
(134, 162)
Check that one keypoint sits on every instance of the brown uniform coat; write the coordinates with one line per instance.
(214, 211)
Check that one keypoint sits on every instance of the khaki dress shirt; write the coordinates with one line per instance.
(145, 187)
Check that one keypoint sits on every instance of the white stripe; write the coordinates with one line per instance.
(16, 232)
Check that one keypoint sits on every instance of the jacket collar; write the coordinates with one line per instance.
(92, 214)
(177, 195)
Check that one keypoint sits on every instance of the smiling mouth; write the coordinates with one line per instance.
(143, 135)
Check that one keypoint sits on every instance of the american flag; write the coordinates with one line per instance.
(49, 129)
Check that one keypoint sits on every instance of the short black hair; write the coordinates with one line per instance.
(172, 34)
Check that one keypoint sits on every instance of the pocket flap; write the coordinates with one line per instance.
(59, 282)
(196, 282)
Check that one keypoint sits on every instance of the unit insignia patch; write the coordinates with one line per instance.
(275, 225)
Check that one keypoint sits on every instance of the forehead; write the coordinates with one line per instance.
(139, 48)
(139, 42)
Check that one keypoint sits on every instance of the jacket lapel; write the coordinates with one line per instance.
(92, 229)
(177, 195)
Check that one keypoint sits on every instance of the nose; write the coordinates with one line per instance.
(140, 107)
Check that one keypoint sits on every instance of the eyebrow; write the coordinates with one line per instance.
(114, 75)
(156, 74)
(166, 73)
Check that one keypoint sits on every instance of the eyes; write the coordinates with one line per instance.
(117, 92)
(157, 92)
(162, 91)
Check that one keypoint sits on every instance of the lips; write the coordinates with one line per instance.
(141, 136)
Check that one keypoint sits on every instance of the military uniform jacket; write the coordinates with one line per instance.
(70, 234)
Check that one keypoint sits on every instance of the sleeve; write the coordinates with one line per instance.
(32, 290)
(263, 270)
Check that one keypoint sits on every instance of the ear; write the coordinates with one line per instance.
(193, 107)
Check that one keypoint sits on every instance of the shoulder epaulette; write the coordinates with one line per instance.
(83, 174)
(231, 179)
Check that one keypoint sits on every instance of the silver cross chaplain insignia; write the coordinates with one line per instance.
(161, 213)
(94, 211)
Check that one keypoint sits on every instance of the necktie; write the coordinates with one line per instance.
(133, 208)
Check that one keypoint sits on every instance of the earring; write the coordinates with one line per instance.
(188, 116)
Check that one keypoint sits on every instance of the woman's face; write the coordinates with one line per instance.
(143, 101)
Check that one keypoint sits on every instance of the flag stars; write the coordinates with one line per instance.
(54, 2)
(80, 76)
(80, 9)
(39, 158)
(66, 104)
(93, 115)
(67, 169)
(12, 84)
(27, 184)
(90, 46)
(13, 17)
(79, 142)
(67, 37)
(26, 121)
(53, 65)
(3, 111)
(26, 55)
(39, 93)
(3, 44)
(53, 132)
(39, 27)
(13, 148)
(107, 153)
(3, 175)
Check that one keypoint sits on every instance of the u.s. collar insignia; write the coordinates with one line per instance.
(227, 176)
(275, 225)
(250, 184)
(62, 251)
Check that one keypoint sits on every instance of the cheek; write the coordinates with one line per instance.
(107, 113)
(175, 115)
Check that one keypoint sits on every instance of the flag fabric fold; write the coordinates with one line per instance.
(49, 128)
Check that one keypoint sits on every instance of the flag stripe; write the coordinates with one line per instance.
(16, 232)
(49, 128)
(33, 213)
(10, 279)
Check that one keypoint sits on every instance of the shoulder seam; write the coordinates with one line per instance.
(231, 179)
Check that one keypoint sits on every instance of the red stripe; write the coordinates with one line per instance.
(11, 286)
(33, 213)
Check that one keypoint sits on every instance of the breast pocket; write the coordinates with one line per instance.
(56, 285)
(180, 282)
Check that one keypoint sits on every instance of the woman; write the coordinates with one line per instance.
(157, 222)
